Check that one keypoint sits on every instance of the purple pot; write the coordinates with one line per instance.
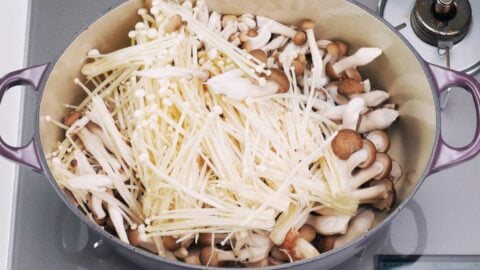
(417, 142)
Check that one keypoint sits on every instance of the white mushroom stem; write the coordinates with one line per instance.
(333, 91)
(248, 20)
(373, 98)
(329, 225)
(215, 22)
(378, 119)
(367, 86)
(261, 39)
(117, 220)
(95, 182)
(276, 27)
(239, 88)
(202, 11)
(356, 159)
(359, 225)
(365, 175)
(174, 72)
(231, 27)
(275, 43)
(304, 250)
(337, 112)
(106, 141)
(318, 68)
(370, 194)
(362, 57)
(351, 116)
(323, 43)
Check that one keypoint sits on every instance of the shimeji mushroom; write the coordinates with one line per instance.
(317, 69)
(349, 87)
(276, 43)
(379, 193)
(71, 118)
(373, 98)
(206, 239)
(396, 176)
(259, 54)
(352, 73)
(346, 143)
(329, 225)
(380, 139)
(257, 249)
(307, 232)
(261, 39)
(193, 257)
(236, 86)
(332, 89)
(336, 50)
(297, 247)
(215, 22)
(379, 169)
(174, 24)
(362, 158)
(351, 116)
(116, 217)
(377, 119)
(362, 57)
(138, 238)
(358, 226)
(202, 11)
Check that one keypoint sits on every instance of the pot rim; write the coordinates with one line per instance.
(359, 241)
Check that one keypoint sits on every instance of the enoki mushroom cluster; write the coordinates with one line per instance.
(225, 140)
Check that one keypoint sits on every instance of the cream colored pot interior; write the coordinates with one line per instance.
(397, 71)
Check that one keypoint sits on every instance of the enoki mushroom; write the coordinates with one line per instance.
(220, 139)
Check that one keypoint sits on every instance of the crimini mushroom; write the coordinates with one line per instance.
(378, 170)
(346, 143)
(362, 158)
(351, 116)
(362, 57)
(379, 193)
(358, 226)
(377, 119)
(297, 247)
(380, 139)
(350, 87)
(329, 225)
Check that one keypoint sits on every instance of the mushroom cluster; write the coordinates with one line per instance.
(228, 140)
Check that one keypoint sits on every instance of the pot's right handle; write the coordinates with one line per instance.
(445, 155)
(27, 154)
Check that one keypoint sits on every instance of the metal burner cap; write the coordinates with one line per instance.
(441, 20)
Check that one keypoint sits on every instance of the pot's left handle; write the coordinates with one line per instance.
(445, 155)
(27, 154)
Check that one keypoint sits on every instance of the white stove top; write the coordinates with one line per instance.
(443, 217)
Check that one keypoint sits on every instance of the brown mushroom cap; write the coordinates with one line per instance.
(380, 139)
(300, 38)
(290, 240)
(307, 232)
(252, 33)
(337, 49)
(353, 73)
(281, 79)
(278, 254)
(71, 118)
(173, 24)
(330, 71)
(307, 24)
(170, 243)
(260, 54)
(209, 256)
(387, 165)
(386, 203)
(299, 67)
(346, 143)
(367, 145)
(326, 243)
(350, 87)
(133, 237)
(193, 257)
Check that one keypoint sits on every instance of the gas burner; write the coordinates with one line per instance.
(444, 32)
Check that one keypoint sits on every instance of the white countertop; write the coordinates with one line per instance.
(13, 25)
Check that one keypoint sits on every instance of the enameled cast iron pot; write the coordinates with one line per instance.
(417, 142)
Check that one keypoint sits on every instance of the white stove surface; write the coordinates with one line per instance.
(442, 218)
(13, 25)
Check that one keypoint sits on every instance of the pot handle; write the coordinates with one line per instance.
(445, 155)
(26, 155)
